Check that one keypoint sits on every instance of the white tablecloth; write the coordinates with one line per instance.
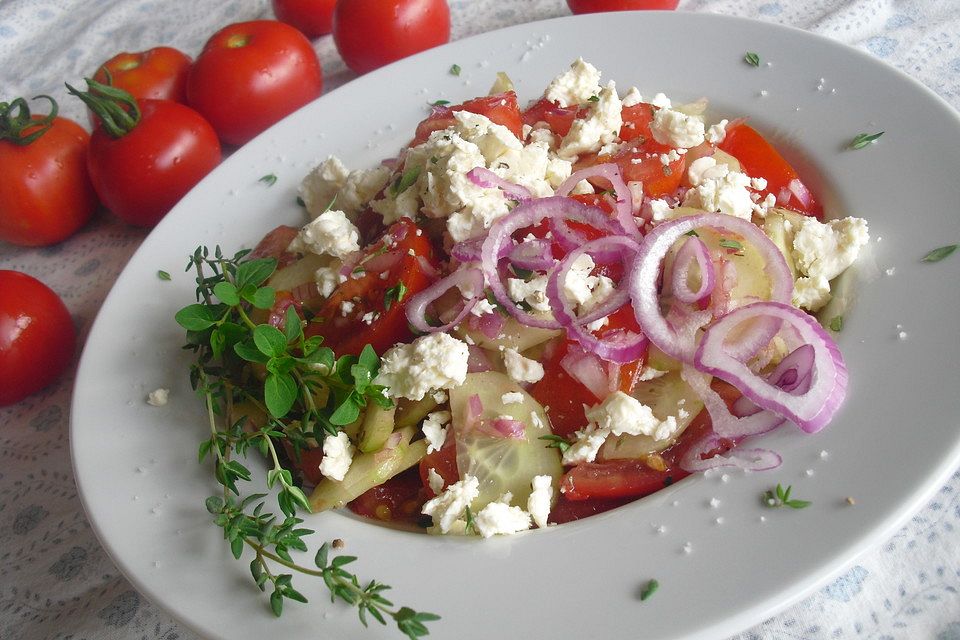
(55, 580)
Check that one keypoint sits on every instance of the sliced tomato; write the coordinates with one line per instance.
(443, 462)
(501, 108)
(636, 122)
(558, 118)
(274, 245)
(616, 479)
(395, 262)
(566, 510)
(759, 159)
(399, 499)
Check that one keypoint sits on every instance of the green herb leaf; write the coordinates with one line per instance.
(195, 317)
(262, 298)
(279, 393)
(863, 139)
(752, 59)
(163, 275)
(255, 272)
(439, 103)
(780, 497)
(836, 324)
(727, 243)
(556, 442)
(455, 69)
(594, 99)
(227, 292)
(692, 233)
(268, 179)
(396, 293)
(649, 589)
(405, 181)
(939, 253)
(270, 340)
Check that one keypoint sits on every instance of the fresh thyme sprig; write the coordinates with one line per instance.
(780, 497)
(265, 385)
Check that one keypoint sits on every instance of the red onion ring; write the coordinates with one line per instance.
(645, 275)
(748, 459)
(526, 214)
(751, 422)
(693, 250)
(623, 204)
(811, 409)
(797, 188)
(587, 369)
(621, 347)
(489, 180)
(508, 427)
(535, 254)
(416, 308)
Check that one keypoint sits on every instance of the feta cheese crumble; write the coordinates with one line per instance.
(449, 506)
(337, 456)
(575, 86)
(500, 518)
(822, 251)
(330, 233)
(432, 362)
(434, 430)
(521, 369)
(677, 129)
(538, 504)
(158, 397)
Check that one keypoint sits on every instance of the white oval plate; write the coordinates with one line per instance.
(892, 444)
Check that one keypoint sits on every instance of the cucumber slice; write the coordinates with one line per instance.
(502, 464)
(369, 470)
(665, 396)
(376, 428)
(299, 272)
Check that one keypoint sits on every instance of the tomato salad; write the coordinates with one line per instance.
(575, 304)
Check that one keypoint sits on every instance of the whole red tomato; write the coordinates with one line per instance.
(372, 33)
(37, 337)
(145, 163)
(157, 74)
(313, 18)
(250, 75)
(45, 193)
(596, 6)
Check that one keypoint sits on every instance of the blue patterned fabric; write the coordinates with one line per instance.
(56, 583)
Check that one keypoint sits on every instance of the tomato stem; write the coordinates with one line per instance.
(15, 121)
(116, 109)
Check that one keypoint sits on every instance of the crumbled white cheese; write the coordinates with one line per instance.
(826, 250)
(439, 396)
(601, 126)
(717, 132)
(659, 209)
(500, 518)
(435, 361)
(661, 101)
(579, 284)
(450, 505)
(521, 369)
(574, 86)
(677, 129)
(512, 397)
(533, 292)
(327, 279)
(649, 373)
(715, 188)
(330, 233)
(483, 307)
(586, 446)
(434, 430)
(621, 413)
(822, 251)
(158, 397)
(618, 414)
(337, 456)
(331, 182)
(632, 98)
(346, 308)
(538, 504)
(320, 186)
(435, 481)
